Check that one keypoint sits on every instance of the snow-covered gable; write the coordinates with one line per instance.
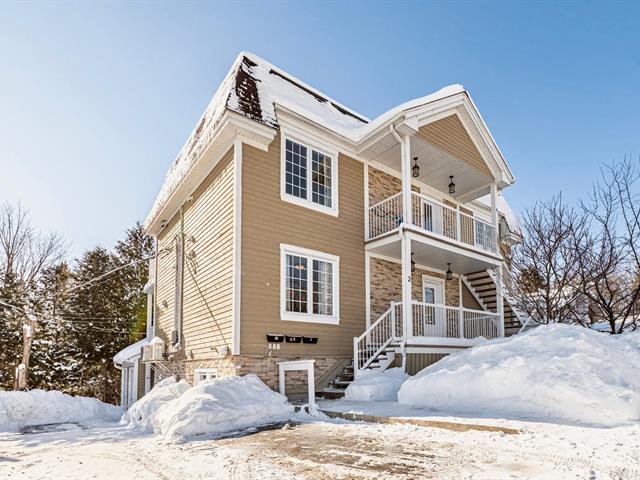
(254, 88)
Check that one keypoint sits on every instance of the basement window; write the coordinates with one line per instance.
(309, 288)
(309, 176)
(204, 374)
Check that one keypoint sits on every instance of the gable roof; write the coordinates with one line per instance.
(252, 88)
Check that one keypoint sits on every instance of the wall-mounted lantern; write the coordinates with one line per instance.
(449, 273)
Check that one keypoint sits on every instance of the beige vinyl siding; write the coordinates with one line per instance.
(208, 266)
(420, 361)
(449, 135)
(140, 385)
(165, 286)
(268, 221)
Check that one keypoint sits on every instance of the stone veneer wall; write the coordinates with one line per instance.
(265, 367)
(386, 286)
(382, 185)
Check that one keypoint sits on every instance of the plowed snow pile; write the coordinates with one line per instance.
(40, 407)
(557, 372)
(177, 411)
(373, 385)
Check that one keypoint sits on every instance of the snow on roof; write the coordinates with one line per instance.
(129, 353)
(253, 87)
(505, 209)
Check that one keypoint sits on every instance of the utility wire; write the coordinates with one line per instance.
(99, 277)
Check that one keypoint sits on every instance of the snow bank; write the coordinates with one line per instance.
(178, 411)
(40, 407)
(556, 372)
(142, 413)
(375, 385)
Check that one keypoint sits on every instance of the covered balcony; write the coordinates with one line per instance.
(433, 218)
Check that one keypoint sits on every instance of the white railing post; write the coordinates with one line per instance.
(458, 227)
(494, 216)
(499, 300)
(406, 284)
(393, 320)
(356, 366)
(461, 322)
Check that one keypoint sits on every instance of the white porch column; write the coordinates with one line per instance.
(494, 215)
(406, 285)
(499, 300)
(405, 160)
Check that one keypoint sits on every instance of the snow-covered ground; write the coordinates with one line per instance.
(329, 449)
(557, 402)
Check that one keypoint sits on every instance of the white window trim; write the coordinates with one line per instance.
(308, 203)
(309, 317)
(203, 371)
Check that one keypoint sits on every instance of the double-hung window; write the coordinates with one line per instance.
(309, 176)
(309, 288)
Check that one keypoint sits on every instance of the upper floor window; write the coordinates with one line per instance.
(309, 177)
(309, 286)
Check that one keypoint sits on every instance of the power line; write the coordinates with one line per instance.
(89, 282)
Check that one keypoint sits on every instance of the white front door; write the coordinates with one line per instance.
(434, 324)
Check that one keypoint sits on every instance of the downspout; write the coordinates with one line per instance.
(176, 334)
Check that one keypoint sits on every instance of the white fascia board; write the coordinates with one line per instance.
(231, 126)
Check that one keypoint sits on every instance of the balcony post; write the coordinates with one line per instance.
(405, 160)
(406, 285)
(494, 215)
(499, 300)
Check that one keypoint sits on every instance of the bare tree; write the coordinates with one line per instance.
(544, 263)
(24, 254)
(609, 263)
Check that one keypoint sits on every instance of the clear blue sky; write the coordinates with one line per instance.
(96, 100)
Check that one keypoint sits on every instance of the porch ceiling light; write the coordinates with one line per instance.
(415, 169)
(452, 186)
(449, 273)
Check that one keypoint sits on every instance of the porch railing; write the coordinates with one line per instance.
(385, 216)
(431, 320)
(377, 337)
(432, 216)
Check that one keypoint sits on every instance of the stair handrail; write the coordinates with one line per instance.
(510, 300)
(361, 343)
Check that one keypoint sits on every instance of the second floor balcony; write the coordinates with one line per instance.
(433, 218)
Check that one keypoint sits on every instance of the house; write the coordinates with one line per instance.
(292, 227)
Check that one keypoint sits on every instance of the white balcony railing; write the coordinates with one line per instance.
(430, 320)
(434, 217)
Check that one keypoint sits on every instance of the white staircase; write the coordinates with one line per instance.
(376, 347)
(483, 287)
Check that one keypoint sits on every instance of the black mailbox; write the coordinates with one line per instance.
(310, 340)
(275, 337)
(293, 338)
